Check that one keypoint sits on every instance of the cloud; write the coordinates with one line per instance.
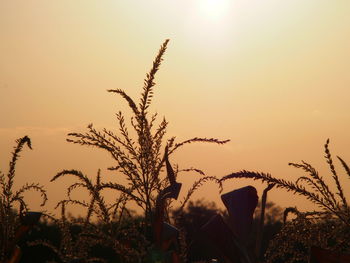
(35, 130)
(20, 131)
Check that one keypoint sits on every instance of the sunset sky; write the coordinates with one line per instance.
(272, 76)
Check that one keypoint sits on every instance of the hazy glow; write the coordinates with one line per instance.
(209, 24)
(214, 10)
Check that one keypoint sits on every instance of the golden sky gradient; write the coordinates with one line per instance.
(272, 76)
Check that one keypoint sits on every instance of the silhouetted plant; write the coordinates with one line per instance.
(76, 240)
(97, 205)
(9, 219)
(316, 190)
(265, 231)
(138, 157)
(292, 244)
(109, 232)
(328, 228)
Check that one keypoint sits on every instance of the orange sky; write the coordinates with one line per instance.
(272, 76)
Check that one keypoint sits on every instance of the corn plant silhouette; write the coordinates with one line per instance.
(327, 228)
(79, 238)
(139, 156)
(313, 186)
(110, 232)
(308, 230)
(9, 219)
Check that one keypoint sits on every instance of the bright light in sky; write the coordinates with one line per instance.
(214, 9)
(209, 23)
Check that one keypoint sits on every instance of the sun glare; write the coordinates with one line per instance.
(215, 10)
(209, 23)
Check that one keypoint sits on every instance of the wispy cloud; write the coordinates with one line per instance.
(35, 130)
(43, 130)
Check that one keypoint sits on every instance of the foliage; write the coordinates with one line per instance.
(97, 205)
(139, 156)
(190, 220)
(113, 232)
(8, 217)
(316, 190)
(73, 245)
(272, 225)
(197, 213)
(327, 228)
(308, 229)
(83, 242)
(273, 214)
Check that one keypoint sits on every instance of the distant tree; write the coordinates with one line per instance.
(198, 213)
(190, 220)
(273, 212)
(272, 225)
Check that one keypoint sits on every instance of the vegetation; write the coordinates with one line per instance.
(9, 218)
(293, 242)
(141, 152)
(140, 156)
(327, 228)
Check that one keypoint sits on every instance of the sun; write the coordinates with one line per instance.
(214, 10)
(209, 23)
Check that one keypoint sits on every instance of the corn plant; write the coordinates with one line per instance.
(79, 239)
(327, 228)
(139, 156)
(9, 218)
(97, 206)
(309, 229)
(109, 231)
(312, 186)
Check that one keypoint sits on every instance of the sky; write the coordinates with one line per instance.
(271, 76)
